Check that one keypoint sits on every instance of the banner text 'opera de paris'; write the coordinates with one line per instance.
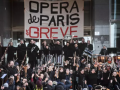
(46, 19)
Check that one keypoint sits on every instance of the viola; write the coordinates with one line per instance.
(109, 62)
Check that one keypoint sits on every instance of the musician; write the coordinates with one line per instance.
(29, 46)
(33, 54)
(82, 62)
(114, 83)
(71, 45)
(29, 71)
(61, 74)
(47, 50)
(66, 50)
(10, 52)
(58, 46)
(44, 44)
(92, 78)
(89, 46)
(67, 75)
(82, 46)
(82, 79)
(104, 51)
(76, 50)
(118, 63)
(12, 69)
(21, 51)
(111, 63)
(105, 77)
(49, 85)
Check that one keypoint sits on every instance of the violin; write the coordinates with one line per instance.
(109, 62)
(18, 78)
(118, 73)
(71, 85)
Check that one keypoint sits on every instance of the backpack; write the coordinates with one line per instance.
(39, 84)
(59, 87)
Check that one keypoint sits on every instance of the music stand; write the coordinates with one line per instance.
(3, 78)
(112, 50)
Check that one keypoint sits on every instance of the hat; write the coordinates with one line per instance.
(5, 85)
(54, 83)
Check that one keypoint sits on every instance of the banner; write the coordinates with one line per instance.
(46, 19)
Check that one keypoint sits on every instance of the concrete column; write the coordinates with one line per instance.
(5, 19)
(101, 24)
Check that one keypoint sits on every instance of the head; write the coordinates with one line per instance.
(44, 42)
(67, 71)
(11, 43)
(114, 74)
(58, 42)
(76, 45)
(61, 69)
(89, 65)
(83, 40)
(11, 63)
(88, 41)
(32, 41)
(63, 81)
(50, 83)
(12, 77)
(109, 58)
(104, 47)
(104, 70)
(82, 71)
(41, 76)
(47, 47)
(67, 44)
(18, 87)
(11, 81)
(21, 42)
(93, 71)
(24, 80)
(71, 71)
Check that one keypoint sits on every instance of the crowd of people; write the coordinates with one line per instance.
(78, 72)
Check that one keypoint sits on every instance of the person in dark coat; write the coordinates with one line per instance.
(105, 78)
(61, 74)
(104, 51)
(10, 52)
(82, 79)
(67, 75)
(114, 83)
(12, 69)
(49, 86)
(92, 78)
(29, 72)
(82, 46)
(29, 46)
(66, 50)
(21, 51)
(76, 50)
(58, 46)
(44, 44)
(33, 54)
(65, 83)
(89, 46)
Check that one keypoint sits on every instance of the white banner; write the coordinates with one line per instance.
(46, 19)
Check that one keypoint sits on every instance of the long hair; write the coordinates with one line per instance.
(10, 81)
